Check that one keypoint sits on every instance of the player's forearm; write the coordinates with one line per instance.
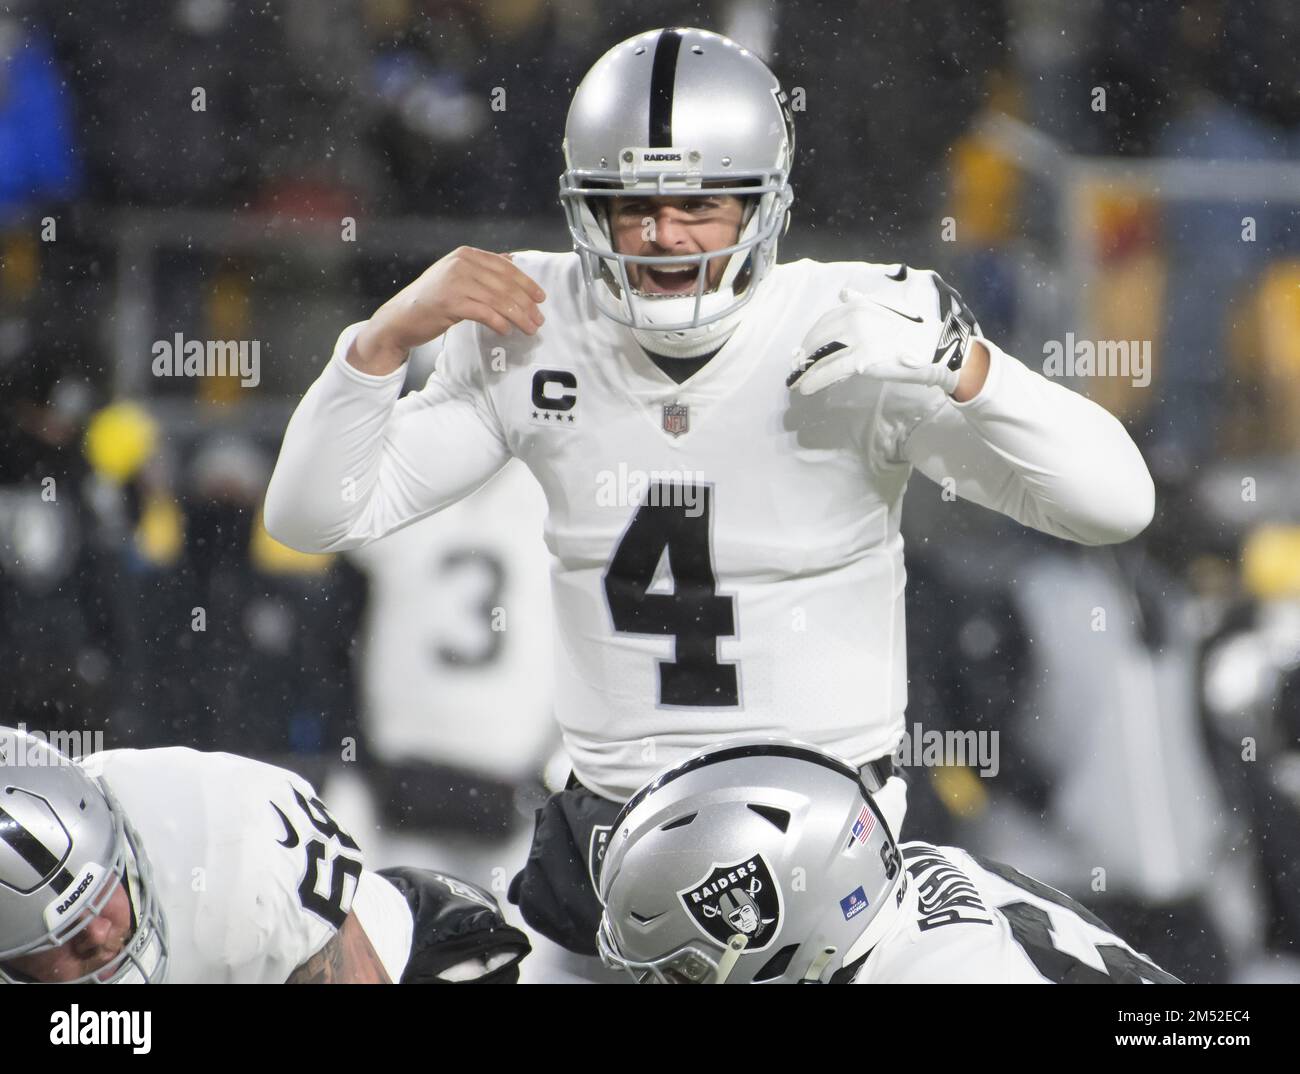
(374, 352)
(974, 373)
(347, 958)
(330, 459)
(1051, 457)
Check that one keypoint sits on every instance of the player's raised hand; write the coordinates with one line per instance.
(466, 285)
(864, 337)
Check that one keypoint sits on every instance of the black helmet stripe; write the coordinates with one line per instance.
(35, 853)
(663, 76)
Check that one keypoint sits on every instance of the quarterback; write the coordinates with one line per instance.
(767, 418)
(170, 865)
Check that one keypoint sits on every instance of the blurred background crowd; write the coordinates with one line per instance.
(272, 171)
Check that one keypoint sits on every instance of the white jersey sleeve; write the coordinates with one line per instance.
(1016, 446)
(969, 921)
(357, 462)
(253, 873)
(385, 918)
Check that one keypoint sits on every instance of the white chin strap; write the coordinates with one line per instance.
(688, 342)
(735, 948)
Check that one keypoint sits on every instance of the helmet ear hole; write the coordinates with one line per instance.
(777, 964)
(778, 817)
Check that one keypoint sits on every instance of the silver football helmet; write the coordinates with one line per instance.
(669, 113)
(65, 847)
(761, 862)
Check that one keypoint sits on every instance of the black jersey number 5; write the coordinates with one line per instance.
(675, 520)
(335, 906)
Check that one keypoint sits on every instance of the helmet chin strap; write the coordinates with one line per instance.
(813, 974)
(688, 345)
(735, 948)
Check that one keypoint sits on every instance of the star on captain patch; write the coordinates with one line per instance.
(677, 419)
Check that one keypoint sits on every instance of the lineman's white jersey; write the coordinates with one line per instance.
(456, 656)
(968, 921)
(726, 556)
(253, 874)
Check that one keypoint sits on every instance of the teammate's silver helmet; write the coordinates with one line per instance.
(668, 113)
(765, 862)
(65, 847)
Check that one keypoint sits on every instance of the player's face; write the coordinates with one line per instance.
(665, 227)
(91, 949)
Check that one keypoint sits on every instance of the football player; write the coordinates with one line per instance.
(723, 441)
(794, 836)
(145, 866)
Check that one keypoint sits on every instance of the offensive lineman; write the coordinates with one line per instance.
(170, 865)
(723, 442)
(771, 863)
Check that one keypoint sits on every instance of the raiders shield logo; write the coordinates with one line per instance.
(736, 898)
(677, 419)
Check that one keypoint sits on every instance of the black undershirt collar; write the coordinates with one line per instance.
(680, 369)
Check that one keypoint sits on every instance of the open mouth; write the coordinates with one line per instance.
(678, 280)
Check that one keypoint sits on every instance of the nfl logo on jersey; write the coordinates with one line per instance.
(677, 418)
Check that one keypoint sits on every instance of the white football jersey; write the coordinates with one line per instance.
(456, 651)
(964, 920)
(253, 874)
(726, 556)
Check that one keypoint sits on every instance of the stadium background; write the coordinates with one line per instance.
(1150, 768)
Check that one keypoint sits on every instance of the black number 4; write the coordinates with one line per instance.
(676, 518)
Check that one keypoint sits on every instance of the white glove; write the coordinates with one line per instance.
(863, 336)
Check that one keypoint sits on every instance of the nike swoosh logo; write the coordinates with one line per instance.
(902, 274)
(899, 312)
(290, 839)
